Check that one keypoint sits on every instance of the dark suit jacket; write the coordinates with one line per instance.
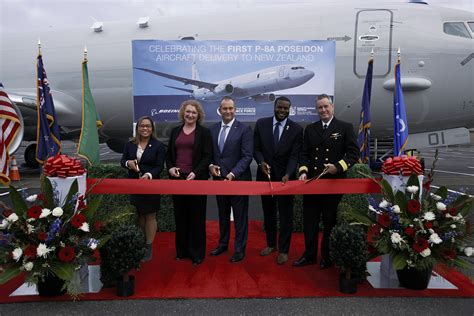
(337, 145)
(284, 158)
(202, 151)
(237, 152)
(152, 160)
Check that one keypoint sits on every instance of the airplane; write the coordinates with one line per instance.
(437, 63)
(253, 85)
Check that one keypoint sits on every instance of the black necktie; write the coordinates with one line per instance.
(325, 127)
(276, 133)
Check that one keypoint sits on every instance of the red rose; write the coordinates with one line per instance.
(7, 212)
(30, 252)
(34, 211)
(452, 211)
(413, 206)
(428, 225)
(41, 197)
(410, 231)
(449, 254)
(67, 254)
(420, 245)
(77, 220)
(98, 226)
(81, 205)
(374, 231)
(384, 219)
(42, 236)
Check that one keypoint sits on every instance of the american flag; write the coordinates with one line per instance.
(10, 126)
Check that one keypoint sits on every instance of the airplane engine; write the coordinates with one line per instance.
(224, 89)
(19, 136)
(264, 98)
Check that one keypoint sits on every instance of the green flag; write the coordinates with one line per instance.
(89, 140)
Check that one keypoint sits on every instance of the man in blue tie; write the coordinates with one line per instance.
(277, 157)
(233, 148)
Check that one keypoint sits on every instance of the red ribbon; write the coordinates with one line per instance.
(205, 187)
(63, 166)
(405, 165)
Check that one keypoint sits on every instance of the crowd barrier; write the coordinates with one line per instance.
(206, 187)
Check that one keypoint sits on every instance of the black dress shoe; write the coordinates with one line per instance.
(303, 261)
(219, 250)
(197, 262)
(236, 257)
(324, 264)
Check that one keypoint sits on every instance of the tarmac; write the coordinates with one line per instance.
(455, 169)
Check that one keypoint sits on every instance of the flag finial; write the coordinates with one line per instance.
(372, 54)
(85, 53)
(39, 46)
(398, 54)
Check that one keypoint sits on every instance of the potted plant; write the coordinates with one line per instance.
(416, 227)
(49, 242)
(122, 253)
(348, 251)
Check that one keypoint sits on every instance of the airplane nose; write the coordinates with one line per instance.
(308, 74)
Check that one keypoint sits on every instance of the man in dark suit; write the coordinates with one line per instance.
(329, 144)
(233, 147)
(277, 143)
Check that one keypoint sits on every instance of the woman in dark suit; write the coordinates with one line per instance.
(144, 158)
(188, 158)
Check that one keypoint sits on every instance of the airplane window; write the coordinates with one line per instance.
(456, 29)
(471, 25)
(294, 68)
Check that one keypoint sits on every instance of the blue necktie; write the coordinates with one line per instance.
(276, 133)
(222, 138)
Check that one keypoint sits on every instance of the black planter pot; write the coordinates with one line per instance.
(414, 279)
(126, 288)
(347, 286)
(51, 286)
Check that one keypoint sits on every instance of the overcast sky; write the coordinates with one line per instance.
(25, 14)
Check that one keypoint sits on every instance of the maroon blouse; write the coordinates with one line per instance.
(184, 151)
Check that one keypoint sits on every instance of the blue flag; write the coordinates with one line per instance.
(47, 135)
(400, 123)
(363, 139)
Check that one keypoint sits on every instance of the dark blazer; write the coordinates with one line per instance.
(202, 151)
(284, 158)
(237, 152)
(152, 160)
(337, 145)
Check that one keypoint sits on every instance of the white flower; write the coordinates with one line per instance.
(441, 206)
(3, 224)
(93, 243)
(12, 218)
(412, 189)
(57, 211)
(452, 226)
(384, 204)
(426, 252)
(396, 238)
(434, 239)
(436, 197)
(16, 254)
(468, 251)
(31, 228)
(32, 198)
(431, 231)
(43, 250)
(28, 266)
(45, 212)
(429, 216)
(372, 209)
(396, 209)
(84, 227)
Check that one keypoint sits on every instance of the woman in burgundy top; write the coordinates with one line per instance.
(188, 158)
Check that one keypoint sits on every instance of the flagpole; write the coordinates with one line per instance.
(39, 47)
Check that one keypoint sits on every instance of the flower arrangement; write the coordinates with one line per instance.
(40, 238)
(417, 227)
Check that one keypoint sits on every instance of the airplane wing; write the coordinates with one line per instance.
(182, 89)
(186, 81)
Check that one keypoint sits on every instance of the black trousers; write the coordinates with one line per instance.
(316, 207)
(283, 205)
(190, 219)
(240, 208)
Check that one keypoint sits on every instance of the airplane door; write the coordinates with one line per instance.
(373, 30)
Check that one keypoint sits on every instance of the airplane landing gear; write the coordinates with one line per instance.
(30, 156)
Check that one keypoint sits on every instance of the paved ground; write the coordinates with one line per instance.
(455, 169)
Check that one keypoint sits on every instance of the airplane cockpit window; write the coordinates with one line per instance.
(456, 29)
(471, 25)
(298, 67)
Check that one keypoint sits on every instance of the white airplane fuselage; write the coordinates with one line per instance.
(437, 74)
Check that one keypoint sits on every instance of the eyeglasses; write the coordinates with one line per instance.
(144, 126)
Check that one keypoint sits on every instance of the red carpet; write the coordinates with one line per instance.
(254, 277)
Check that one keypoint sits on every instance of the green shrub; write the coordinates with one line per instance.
(358, 202)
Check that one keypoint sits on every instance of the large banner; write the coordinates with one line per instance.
(253, 73)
